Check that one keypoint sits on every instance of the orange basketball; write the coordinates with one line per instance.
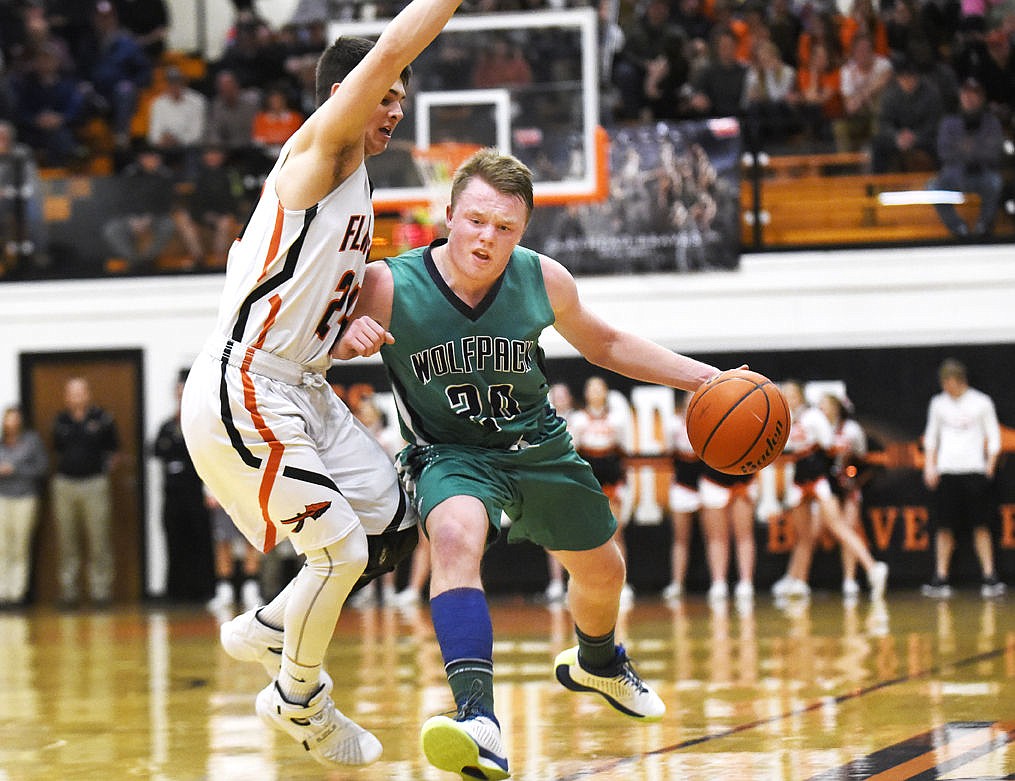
(738, 422)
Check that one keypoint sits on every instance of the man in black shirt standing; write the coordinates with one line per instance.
(86, 444)
(185, 517)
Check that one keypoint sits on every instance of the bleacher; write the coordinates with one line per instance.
(831, 199)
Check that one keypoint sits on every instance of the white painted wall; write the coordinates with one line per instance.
(188, 17)
(813, 300)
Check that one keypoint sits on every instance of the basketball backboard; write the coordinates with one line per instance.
(545, 112)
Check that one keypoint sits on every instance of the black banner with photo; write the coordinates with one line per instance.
(673, 205)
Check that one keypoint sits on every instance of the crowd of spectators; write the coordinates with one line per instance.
(810, 75)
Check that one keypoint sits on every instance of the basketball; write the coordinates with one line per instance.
(738, 422)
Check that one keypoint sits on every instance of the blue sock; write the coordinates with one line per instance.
(461, 621)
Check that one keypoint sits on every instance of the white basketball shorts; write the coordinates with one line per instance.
(283, 454)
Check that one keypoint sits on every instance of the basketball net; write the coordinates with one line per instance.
(437, 165)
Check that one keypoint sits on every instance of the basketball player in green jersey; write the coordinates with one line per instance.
(457, 325)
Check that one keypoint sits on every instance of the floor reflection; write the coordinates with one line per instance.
(816, 689)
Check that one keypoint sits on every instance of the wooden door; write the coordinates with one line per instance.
(115, 378)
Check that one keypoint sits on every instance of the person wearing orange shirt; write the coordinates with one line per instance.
(819, 93)
(275, 122)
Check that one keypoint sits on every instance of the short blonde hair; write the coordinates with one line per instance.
(504, 173)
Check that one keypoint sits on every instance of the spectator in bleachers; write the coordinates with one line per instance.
(719, 88)
(863, 19)
(750, 28)
(31, 35)
(651, 68)
(20, 199)
(970, 145)
(210, 222)
(231, 115)
(996, 72)
(142, 225)
(71, 21)
(117, 68)
(820, 95)
(303, 73)
(969, 48)
(863, 78)
(501, 63)
(48, 106)
(769, 96)
(819, 28)
(275, 122)
(784, 28)
(148, 22)
(939, 21)
(692, 20)
(252, 56)
(935, 72)
(908, 117)
(903, 25)
(611, 44)
(176, 122)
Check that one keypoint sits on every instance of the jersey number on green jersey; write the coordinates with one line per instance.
(467, 402)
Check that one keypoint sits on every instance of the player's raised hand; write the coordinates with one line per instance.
(363, 337)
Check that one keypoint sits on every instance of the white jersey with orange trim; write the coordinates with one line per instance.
(269, 437)
(293, 267)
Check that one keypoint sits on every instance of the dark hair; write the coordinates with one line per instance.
(338, 61)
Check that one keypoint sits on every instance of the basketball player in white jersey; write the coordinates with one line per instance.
(275, 445)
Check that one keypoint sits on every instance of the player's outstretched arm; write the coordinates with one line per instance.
(329, 145)
(611, 348)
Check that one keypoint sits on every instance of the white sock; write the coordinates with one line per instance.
(312, 609)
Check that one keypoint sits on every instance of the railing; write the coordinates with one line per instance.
(831, 199)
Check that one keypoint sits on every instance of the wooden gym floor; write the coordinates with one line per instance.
(912, 688)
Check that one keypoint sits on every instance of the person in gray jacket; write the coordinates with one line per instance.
(23, 464)
(970, 145)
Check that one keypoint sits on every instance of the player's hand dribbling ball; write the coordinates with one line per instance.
(738, 422)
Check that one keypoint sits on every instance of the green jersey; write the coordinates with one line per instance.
(469, 375)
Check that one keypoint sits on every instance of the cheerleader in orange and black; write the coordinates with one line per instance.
(849, 447)
(727, 511)
(810, 440)
(600, 432)
(684, 499)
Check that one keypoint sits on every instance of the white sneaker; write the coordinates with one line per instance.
(797, 588)
(469, 745)
(250, 595)
(992, 587)
(363, 599)
(247, 639)
(790, 587)
(744, 591)
(718, 591)
(781, 587)
(878, 577)
(224, 597)
(850, 588)
(407, 597)
(673, 592)
(626, 597)
(388, 596)
(554, 593)
(621, 686)
(331, 738)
